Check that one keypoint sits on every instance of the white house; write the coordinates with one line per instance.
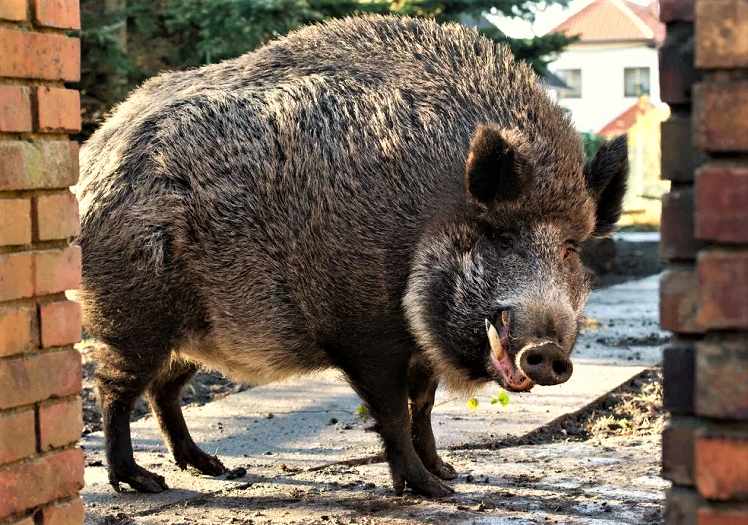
(614, 62)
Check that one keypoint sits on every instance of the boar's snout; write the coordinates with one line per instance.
(545, 364)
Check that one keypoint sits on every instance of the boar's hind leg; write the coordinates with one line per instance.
(422, 385)
(383, 385)
(164, 394)
(120, 381)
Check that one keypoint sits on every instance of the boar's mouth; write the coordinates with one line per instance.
(511, 377)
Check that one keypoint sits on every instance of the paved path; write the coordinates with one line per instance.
(312, 422)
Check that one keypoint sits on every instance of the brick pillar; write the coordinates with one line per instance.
(41, 469)
(704, 293)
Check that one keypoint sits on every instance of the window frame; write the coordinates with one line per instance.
(637, 81)
(576, 91)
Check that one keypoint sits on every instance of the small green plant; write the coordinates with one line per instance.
(363, 412)
(502, 398)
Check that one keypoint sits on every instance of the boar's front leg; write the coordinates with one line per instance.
(381, 379)
(422, 385)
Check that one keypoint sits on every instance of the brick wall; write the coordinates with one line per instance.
(704, 293)
(41, 469)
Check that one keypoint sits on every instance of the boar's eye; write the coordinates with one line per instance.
(506, 244)
(569, 248)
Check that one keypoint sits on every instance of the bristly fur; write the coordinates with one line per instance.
(304, 207)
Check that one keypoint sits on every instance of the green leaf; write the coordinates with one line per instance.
(363, 412)
(503, 398)
(473, 403)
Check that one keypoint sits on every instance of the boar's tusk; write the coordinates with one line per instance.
(495, 341)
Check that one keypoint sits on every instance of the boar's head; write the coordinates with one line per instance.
(497, 289)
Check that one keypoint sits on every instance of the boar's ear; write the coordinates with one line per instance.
(606, 177)
(495, 169)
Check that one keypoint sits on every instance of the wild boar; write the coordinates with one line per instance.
(393, 198)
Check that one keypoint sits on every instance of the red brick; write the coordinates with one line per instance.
(722, 34)
(15, 108)
(678, 441)
(52, 477)
(15, 227)
(15, 330)
(713, 516)
(676, 10)
(677, 72)
(721, 116)
(68, 513)
(17, 436)
(28, 520)
(63, 14)
(55, 216)
(60, 323)
(678, 240)
(682, 505)
(721, 197)
(34, 378)
(723, 281)
(14, 10)
(39, 55)
(26, 165)
(722, 379)
(58, 270)
(679, 301)
(678, 158)
(721, 466)
(16, 276)
(60, 423)
(58, 109)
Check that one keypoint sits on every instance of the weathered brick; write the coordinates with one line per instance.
(33, 378)
(721, 116)
(720, 516)
(677, 72)
(17, 436)
(68, 513)
(678, 158)
(58, 270)
(26, 165)
(15, 330)
(60, 323)
(675, 10)
(682, 505)
(15, 108)
(721, 464)
(28, 520)
(679, 377)
(39, 55)
(721, 197)
(678, 442)
(722, 34)
(723, 281)
(15, 226)
(677, 237)
(55, 216)
(679, 294)
(62, 14)
(60, 423)
(58, 109)
(722, 379)
(14, 10)
(53, 477)
(16, 276)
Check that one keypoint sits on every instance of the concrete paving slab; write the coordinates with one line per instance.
(312, 421)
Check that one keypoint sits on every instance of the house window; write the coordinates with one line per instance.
(636, 81)
(573, 79)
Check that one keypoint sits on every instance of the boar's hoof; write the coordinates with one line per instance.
(202, 462)
(139, 479)
(429, 486)
(545, 364)
(443, 470)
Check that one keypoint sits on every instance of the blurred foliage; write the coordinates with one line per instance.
(177, 34)
(591, 142)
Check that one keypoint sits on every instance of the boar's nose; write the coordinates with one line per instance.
(546, 364)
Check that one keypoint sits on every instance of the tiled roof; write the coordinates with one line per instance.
(623, 122)
(615, 21)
